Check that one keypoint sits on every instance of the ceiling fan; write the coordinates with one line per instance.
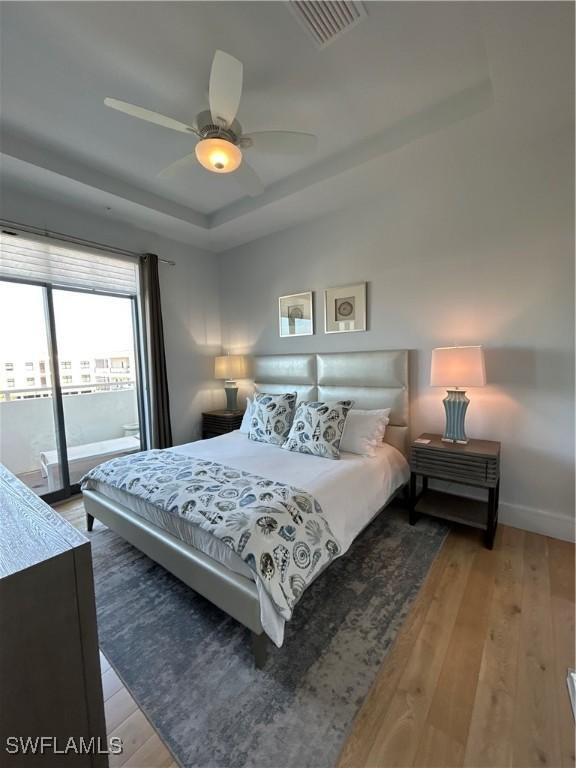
(219, 134)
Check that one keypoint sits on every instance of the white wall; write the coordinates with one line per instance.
(190, 300)
(468, 239)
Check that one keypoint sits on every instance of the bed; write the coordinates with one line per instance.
(376, 379)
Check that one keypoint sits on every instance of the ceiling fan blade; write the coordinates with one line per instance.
(149, 116)
(282, 142)
(225, 88)
(248, 179)
(178, 165)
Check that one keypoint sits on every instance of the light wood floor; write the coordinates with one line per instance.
(476, 677)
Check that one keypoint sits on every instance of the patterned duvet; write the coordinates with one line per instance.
(278, 530)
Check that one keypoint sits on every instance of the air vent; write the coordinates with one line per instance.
(325, 21)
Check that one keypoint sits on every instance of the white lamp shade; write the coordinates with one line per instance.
(458, 367)
(230, 367)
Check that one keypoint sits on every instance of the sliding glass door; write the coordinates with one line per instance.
(70, 389)
(95, 335)
(29, 436)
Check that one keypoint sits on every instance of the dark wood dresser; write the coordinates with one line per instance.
(50, 683)
(216, 423)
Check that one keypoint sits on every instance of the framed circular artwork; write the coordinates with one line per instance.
(296, 314)
(345, 308)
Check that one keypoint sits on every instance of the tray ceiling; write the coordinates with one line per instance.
(406, 71)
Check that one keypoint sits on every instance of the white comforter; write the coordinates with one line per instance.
(350, 491)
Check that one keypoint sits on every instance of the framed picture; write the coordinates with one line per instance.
(296, 314)
(345, 308)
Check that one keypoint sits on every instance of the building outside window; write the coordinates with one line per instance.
(66, 365)
(66, 379)
(84, 363)
(42, 366)
(85, 378)
(30, 381)
(120, 363)
(43, 381)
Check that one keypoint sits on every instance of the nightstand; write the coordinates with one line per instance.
(216, 423)
(475, 464)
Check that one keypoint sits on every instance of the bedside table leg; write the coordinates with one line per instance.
(493, 498)
(412, 499)
(406, 495)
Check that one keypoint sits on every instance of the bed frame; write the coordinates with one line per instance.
(377, 379)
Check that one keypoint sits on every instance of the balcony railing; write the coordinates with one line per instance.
(29, 393)
(92, 413)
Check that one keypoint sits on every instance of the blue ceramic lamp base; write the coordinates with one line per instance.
(455, 405)
(231, 395)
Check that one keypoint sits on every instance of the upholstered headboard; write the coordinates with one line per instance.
(377, 379)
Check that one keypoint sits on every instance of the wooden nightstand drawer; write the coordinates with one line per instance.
(216, 423)
(447, 465)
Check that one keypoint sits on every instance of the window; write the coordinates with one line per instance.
(101, 363)
(29, 366)
(93, 296)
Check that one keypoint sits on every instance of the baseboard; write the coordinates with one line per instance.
(517, 516)
(537, 521)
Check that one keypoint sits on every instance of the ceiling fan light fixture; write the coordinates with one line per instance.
(218, 155)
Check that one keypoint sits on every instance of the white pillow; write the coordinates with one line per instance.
(245, 426)
(364, 431)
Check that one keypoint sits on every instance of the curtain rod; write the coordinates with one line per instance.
(77, 240)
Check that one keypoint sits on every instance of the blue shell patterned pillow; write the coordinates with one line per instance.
(317, 428)
(272, 417)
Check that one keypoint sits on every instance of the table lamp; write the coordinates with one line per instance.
(230, 368)
(455, 367)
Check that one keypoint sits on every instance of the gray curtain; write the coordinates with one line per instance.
(158, 396)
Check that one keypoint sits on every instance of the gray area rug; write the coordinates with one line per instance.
(190, 667)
